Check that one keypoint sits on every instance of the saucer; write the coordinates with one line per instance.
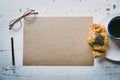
(113, 52)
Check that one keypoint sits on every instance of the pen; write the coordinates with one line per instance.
(12, 48)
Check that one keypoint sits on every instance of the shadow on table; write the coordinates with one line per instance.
(115, 62)
(104, 59)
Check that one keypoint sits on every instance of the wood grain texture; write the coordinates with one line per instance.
(103, 69)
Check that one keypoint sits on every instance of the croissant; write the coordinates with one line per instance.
(98, 40)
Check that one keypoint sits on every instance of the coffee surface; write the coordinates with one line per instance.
(114, 27)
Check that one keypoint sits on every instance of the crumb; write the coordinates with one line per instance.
(54, 1)
(96, 10)
(20, 10)
(107, 13)
(71, 10)
(107, 9)
(114, 6)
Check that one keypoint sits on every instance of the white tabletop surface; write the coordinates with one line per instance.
(103, 69)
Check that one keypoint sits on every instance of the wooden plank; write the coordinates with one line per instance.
(62, 73)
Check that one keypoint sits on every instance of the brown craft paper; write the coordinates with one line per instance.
(57, 41)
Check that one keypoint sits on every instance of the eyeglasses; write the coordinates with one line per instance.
(14, 21)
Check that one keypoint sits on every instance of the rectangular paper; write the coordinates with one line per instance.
(57, 41)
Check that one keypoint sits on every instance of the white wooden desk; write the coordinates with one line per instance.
(103, 69)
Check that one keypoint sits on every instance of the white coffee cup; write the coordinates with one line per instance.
(113, 28)
(112, 23)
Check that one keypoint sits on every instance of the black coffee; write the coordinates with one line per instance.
(114, 27)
